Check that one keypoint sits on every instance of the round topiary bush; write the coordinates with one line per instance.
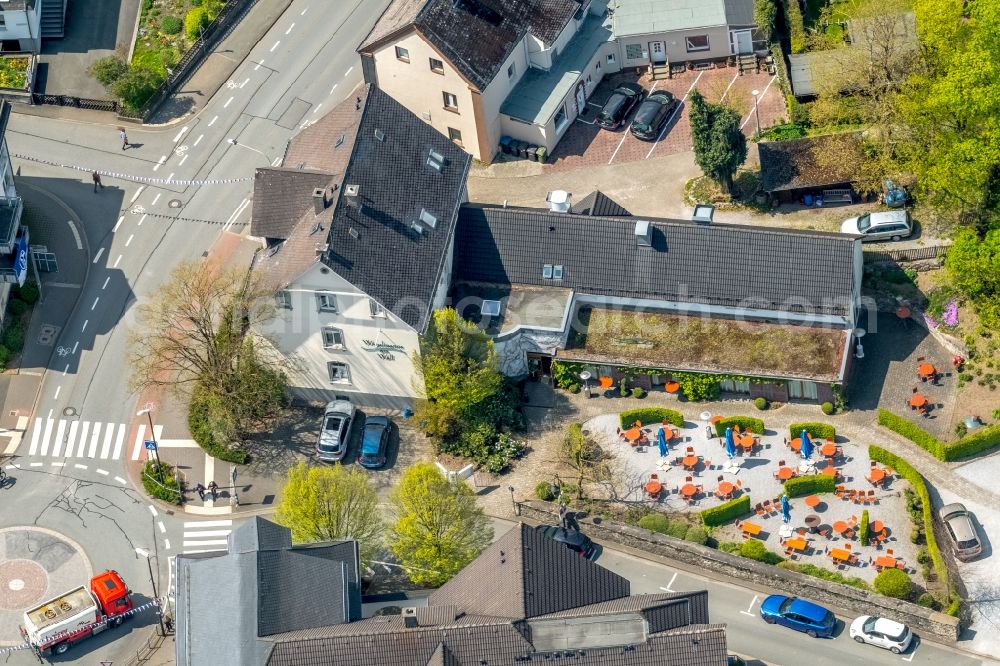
(760, 403)
(753, 549)
(171, 25)
(696, 535)
(13, 338)
(543, 491)
(827, 408)
(893, 583)
(655, 522)
(638, 392)
(28, 293)
(17, 307)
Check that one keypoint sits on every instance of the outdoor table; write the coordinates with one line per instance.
(751, 529)
(813, 501)
(689, 462)
(877, 526)
(654, 488)
(663, 464)
(689, 490)
(745, 440)
(829, 449)
(885, 562)
(671, 387)
(829, 471)
(726, 488)
(632, 434)
(917, 400)
(605, 382)
(840, 527)
(785, 531)
(812, 522)
(840, 555)
(796, 544)
(927, 370)
(795, 444)
(670, 433)
(877, 475)
(785, 473)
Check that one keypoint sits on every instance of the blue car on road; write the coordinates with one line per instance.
(798, 614)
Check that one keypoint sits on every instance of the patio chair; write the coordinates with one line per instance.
(888, 551)
(688, 479)
(708, 463)
(720, 478)
(847, 547)
(781, 463)
(873, 464)
(853, 521)
(871, 497)
(839, 492)
(921, 359)
(739, 484)
(915, 389)
(766, 507)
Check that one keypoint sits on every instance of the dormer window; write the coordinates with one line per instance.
(547, 271)
(557, 272)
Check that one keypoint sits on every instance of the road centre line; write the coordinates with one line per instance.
(101, 251)
(56, 396)
(180, 134)
(95, 303)
(333, 88)
(152, 510)
(129, 240)
(181, 163)
(84, 325)
(303, 12)
(318, 107)
(677, 110)
(117, 260)
(212, 121)
(750, 607)
(106, 281)
(349, 70)
(66, 369)
(258, 65)
(289, 28)
(75, 345)
(142, 219)
(163, 528)
(198, 140)
(245, 81)
(228, 102)
(275, 45)
(170, 177)
(156, 198)
(118, 224)
(137, 193)
(156, 167)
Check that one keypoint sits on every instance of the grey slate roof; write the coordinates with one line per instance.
(286, 190)
(375, 247)
(599, 203)
(739, 13)
(716, 264)
(811, 162)
(476, 36)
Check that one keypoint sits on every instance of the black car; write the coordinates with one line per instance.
(625, 98)
(653, 114)
(577, 542)
(374, 442)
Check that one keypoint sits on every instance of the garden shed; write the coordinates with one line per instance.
(805, 168)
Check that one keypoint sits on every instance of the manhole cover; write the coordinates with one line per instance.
(69, 411)
(174, 203)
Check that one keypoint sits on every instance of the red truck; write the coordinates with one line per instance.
(54, 626)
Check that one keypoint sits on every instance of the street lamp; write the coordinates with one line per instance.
(152, 433)
(234, 142)
(517, 512)
(142, 552)
(756, 115)
(585, 376)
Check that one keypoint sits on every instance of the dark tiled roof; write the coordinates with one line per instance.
(525, 574)
(715, 264)
(599, 203)
(375, 248)
(817, 161)
(663, 611)
(283, 191)
(739, 12)
(476, 36)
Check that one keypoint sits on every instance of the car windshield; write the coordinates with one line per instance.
(864, 223)
(785, 605)
(328, 446)
(829, 620)
(971, 543)
(640, 127)
(369, 446)
(869, 625)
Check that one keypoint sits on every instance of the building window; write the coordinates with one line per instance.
(557, 272)
(450, 101)
(437, 66)
(512, 70)
(633, 51)
(547, 271)
(598, 65)
(697, 43)
(326, 302)
(561, 120)
(283, 299)
(588, 77)
(339, 372)
(455, 135)
(3, 21)
(375, 308)
(333, 338)
(402, 54)
(611, 58)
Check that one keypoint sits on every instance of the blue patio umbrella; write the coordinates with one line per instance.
(786, 510)
(661, 438)
(807, 445)
(730, 444)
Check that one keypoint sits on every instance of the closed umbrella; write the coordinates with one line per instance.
(786, 510)
(730, 444)
(807, 445)
(662, 440)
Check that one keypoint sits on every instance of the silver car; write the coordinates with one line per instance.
(884, 225)
(962, 533)
(337, 419)
(884, 633)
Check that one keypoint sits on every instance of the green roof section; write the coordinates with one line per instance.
(648, 17)
(539, 92)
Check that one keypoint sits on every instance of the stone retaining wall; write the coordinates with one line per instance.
(922, 620)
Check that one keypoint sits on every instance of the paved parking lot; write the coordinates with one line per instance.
(585, 144)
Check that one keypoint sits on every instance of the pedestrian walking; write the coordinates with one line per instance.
(200, 489)
(124, 136)
(213, 488)
(562, 514)
(97, 181)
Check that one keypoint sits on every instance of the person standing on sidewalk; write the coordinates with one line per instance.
(213, 488)
(200, 489)
(97, 181)
(124, 136)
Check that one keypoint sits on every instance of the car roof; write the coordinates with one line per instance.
(888, 217)
(341, 406)
(633, 88)
(665, 94)
(808, 610)
(889, 627)
(961, 525)
(377, 419)
(371, 441)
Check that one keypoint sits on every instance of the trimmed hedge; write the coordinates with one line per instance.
(825, 574)
(980, 440)
(815, 430)
(647, 415)
(863, 529)
(810, 485)
(169, 490)
(893, 583)
(907, 471)
(756, 550)
(657, 522)
(756, 426)
(796, 25)
(722, 514)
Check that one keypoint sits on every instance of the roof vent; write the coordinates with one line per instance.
(320, 202)
(352, 232)
(490, 308)
(417, 227)
(436, 160)
(434, 165)
(426, 115)
(703, 213)
(352, 195)
(318, 227)
(321, 249)
(643, 233)
(380, 135)
(340, 141)
(428, 219)
(559, 201)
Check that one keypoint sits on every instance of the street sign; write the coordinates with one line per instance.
(150, 445)
(232, 476)
(21, 259)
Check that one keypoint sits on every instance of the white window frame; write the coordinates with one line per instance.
(610, 58)
(330, 335)
(375, 308)
(436, 70)
(326, 301)
(457, 140)
(403, 53)
(445, 95)
(560, 126)
(343, 373)
(283, 299)
(547, 271)
(557, 272)
(695, 49)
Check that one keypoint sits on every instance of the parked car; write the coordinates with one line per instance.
(576, 541)
(653, 114)
(883, 225)
(337, 419)
(798, 614)
(735, 660)
(962, 533)
(884, 633)
(374, 441)
(615, 111)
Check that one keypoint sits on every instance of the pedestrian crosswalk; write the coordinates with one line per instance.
(206, 536)
(73, 438)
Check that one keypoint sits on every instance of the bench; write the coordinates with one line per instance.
(838, 196)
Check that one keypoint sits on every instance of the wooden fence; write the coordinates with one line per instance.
(908, 254)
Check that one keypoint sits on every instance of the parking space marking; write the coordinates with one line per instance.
(673, 116)
(750, 607)
(670, 585)
(625, 135)
(726, 92)
(750, 115)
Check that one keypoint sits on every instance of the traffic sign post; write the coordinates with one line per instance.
(150, 445)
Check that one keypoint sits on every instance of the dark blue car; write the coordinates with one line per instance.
(374, 442)
(799, 615)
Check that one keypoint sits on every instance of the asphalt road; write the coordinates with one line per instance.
(76, 485)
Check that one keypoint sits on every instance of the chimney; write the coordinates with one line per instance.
(643, 233)
(321, 249)
(352, 195)
(410, 618)
(559, 201)
(703, 213)
(320, 202)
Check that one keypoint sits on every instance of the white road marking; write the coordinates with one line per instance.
(156, 198)
(48, 433)
(212, 121)
(66, 369)
(303, 12)
(119, 441)
(181, 163)
(103, 471)
(275, 45)
(166, 544)
(245, 81)
(84, 427)
(118, 223)
(208, 523)
(670, 585)
(912, 652)
(726, 92)
(180, 134)
(152, 510)
(76, 234)
(750, 115)
(170, 177)
(626, 133)
(117, 260)
(35, 434)
(58, 464)
(318, 107)
(136, 195)
(93, 440)
(75, 345)
(129, 241)
(198, 140)
(163, 528)
(56, 396)
(208, 542)
(95, 303)
(35, 464)
(109, 434)
(121, 480)
(143, 218)
(750, 607)
(79, 466)
(258, 65)
(101, 251)
(290, 28)
(60, 431)
(137, 445)
(236, 213)
(673, 115)
(333, 88)
(349, 70)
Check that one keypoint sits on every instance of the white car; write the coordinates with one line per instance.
(885, 225)
(884, 633)
(337, 419)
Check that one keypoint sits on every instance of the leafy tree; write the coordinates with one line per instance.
(582, 454)
(893, 583)
(438, 527)
(330, 502)
(194, 21)
(719, 145)
(136, 86)
(764, 13)
(108, 69)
